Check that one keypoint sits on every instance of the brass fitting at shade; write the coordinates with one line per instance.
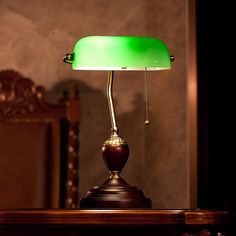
(68, 58)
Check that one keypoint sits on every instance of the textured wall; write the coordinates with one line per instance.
(35, 35)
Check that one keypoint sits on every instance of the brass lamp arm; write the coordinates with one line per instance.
(110, 102)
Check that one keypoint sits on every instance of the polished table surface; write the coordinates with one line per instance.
(89, 222)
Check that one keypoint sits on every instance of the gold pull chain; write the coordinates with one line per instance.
(147, 122)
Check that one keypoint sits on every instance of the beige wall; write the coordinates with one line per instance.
(35, 35)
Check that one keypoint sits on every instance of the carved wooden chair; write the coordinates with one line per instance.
(38, 146)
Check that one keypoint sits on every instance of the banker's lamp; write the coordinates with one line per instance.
(112, 53)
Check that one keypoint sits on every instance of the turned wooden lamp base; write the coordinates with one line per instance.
(115, 193)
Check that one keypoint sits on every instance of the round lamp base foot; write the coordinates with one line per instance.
(115, 193)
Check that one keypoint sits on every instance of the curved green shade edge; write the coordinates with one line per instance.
(120, 53)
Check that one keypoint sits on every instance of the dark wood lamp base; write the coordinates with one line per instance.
(115, 192)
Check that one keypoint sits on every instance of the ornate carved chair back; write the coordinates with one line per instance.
(38, 146)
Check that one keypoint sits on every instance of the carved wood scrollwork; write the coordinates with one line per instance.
(18, 95)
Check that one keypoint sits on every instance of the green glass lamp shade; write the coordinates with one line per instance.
(119, 53)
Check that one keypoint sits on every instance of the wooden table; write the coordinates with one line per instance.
(113, 222)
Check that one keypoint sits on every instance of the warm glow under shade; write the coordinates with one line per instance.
(120, 53)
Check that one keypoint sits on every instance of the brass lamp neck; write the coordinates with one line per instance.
(114, 128)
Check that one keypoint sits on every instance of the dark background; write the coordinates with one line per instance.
(216, 106)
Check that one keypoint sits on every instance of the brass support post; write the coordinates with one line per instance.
(114, 129)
